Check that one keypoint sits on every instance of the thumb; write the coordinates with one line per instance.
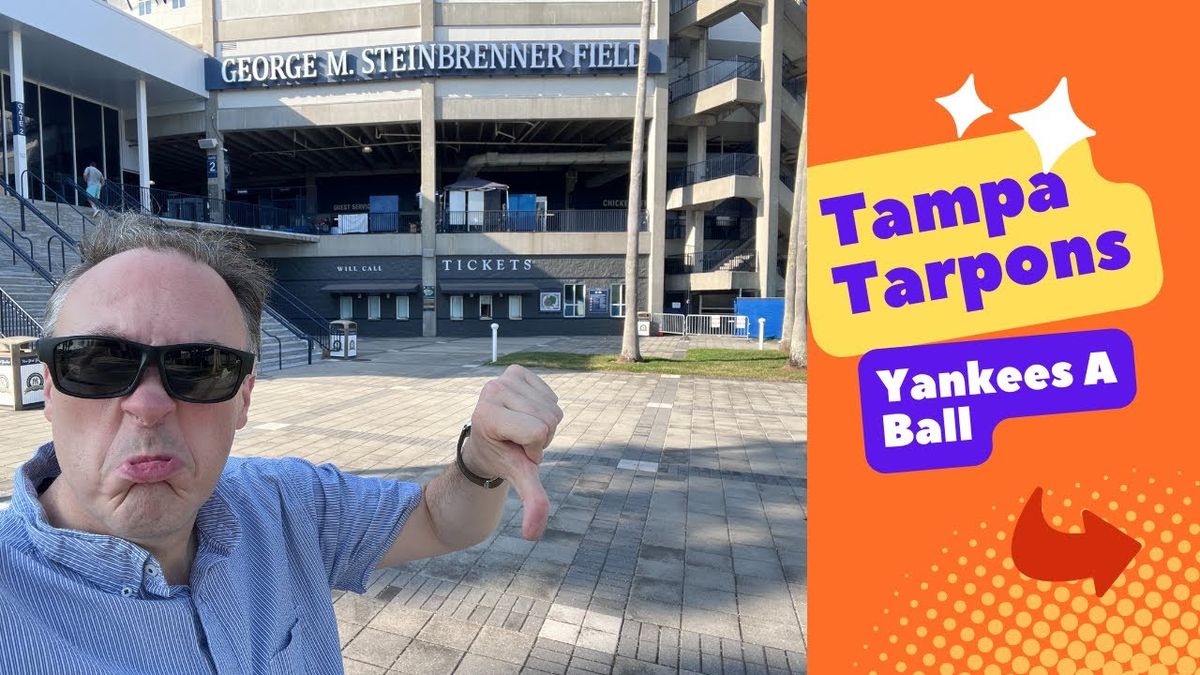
(535, 506)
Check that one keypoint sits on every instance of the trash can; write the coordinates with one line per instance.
(22, 382)
(343, 339)
(643, 324)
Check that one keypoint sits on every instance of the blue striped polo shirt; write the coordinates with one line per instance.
(274, 538)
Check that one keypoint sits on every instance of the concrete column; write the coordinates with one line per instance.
(656, 167)
(16, 97)
(697, 144)
(428, 201)
(698, 52)
(766, 230)
(216, 184)
(208, 26)
(697, 150)
(143, 137)
(429, 175)
(310, 192)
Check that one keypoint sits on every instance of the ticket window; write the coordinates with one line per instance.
(456, 307)
(514, 307)
(346, 307)
(485, 307)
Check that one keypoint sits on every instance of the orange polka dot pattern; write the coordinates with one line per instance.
(972, 612)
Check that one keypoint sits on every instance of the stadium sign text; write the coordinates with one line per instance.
(431, 59)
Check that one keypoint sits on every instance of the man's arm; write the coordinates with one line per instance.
(514, 420)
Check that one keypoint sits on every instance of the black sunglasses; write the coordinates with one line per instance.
(98, 366)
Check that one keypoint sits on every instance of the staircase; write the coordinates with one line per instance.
(295, 352)
(31, 291)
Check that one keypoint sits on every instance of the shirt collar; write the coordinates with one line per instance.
(110, 563)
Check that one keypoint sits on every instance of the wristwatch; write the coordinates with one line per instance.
(462, 466)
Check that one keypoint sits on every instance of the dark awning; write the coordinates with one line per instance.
(488, 286)
(372, 287)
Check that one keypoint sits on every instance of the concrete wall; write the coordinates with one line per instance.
(305, 276)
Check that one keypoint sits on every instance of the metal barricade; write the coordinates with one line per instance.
(730, 325)
(671, 324)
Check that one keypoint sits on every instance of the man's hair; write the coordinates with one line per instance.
(227, 255)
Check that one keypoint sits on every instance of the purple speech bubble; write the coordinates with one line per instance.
(936, 406)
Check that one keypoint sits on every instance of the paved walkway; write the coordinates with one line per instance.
(678, 529)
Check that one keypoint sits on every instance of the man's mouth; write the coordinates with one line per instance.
(150, 468)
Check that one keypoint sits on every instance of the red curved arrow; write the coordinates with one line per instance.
(1041, 552)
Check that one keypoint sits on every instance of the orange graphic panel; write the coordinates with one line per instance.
(913, 572)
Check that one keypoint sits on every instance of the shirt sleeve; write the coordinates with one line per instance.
(357, 519)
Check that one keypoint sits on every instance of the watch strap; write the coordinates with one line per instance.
(488, 483)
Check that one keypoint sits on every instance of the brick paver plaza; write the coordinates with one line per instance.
(678, 528)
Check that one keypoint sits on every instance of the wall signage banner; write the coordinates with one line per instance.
(1000, 277)
(432, 59)
(550, 302)
(597, 301)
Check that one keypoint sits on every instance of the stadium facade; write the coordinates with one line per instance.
(429, 167)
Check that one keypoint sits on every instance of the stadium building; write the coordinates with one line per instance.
(423, 167)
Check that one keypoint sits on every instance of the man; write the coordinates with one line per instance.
(134, 544)
(94, 181)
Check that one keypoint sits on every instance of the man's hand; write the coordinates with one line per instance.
(514, 421)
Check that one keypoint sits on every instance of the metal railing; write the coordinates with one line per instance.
(59, 198)
(713, 167)
(671, 324)
(725, 260)
(28, 206)
(797, 87)
(300, 318)
(29, 258)
(293, 329)
(787, 174)
(203, 209)
(278, 345)
(563, 220)
(14, 320)
(718, 72)
(730, 325)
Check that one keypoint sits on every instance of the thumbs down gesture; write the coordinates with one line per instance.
(513, 423)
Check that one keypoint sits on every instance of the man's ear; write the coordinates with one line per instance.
(47, 394)
(243, 399)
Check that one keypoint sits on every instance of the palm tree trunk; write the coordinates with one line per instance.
(630, 351)
(798, 347)
(789, 279)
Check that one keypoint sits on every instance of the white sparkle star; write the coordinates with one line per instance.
(964, 105)
(1053, 125)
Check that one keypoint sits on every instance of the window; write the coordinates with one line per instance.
(346, 307)
(373, 307)
(514, 306)
(616, 300)
(144, 7)
(456, 307)
(574, 301)
(485, 307)
(178, 4)
(402, 308)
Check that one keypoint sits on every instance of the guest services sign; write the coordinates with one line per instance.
(432, 59)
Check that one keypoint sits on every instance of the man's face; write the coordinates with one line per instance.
(154, 298)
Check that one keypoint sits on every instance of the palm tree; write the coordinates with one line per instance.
(630, 351)
(798, 342)
(789, 279)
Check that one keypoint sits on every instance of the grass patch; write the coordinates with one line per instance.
(742, 364)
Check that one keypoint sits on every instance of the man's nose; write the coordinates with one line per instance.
(149, 402)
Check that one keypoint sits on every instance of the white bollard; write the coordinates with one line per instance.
(761, 322)
(495, 327)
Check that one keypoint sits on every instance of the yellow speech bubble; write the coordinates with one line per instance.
(970, 237)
